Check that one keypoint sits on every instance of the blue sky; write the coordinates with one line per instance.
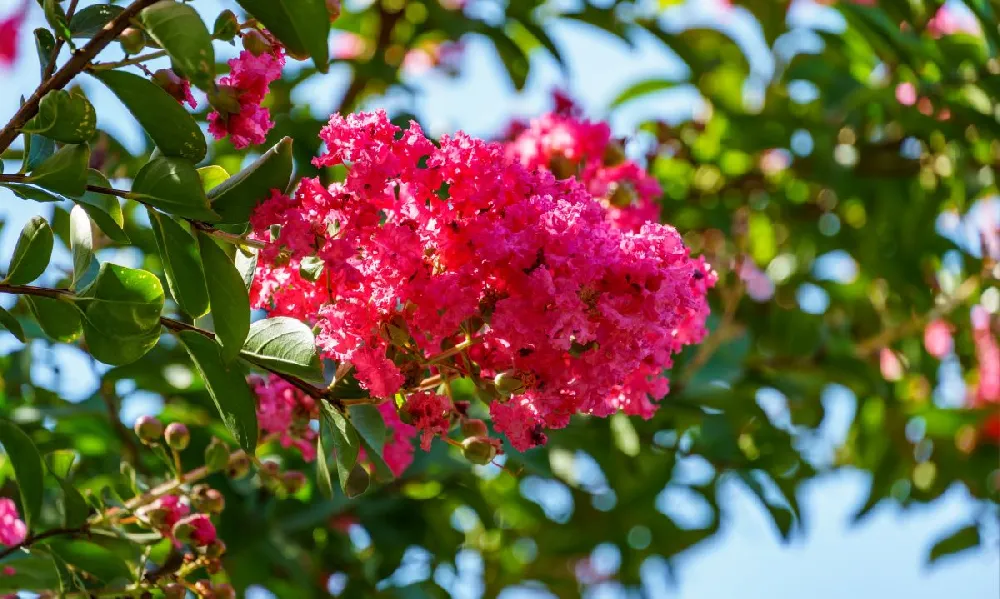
(883, 556)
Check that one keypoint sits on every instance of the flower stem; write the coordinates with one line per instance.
(106, 66)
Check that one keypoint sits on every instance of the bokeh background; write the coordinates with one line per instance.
(793, 159)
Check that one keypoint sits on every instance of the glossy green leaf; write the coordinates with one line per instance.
(64, 172)
(963, 539)
(179, 30)
(246, 264)
(65, 116)
(60, 320)
(181, 264)
(212, 176)
(40, 148)
(371, 430)
(226, 383)
(45, 44)
(122, 301)
(34, 572)
(324, 482)
(81, 237)
(284, 345)
(89, 20)
(98, 561)
(103, 209)
(9, 322)
(347, 445)
(32, 252)
(237, 196)
(227, 296)
(30, 192)
(172, 129)
(173, 186)
(303, 26)
(56, 17)
(28, 469)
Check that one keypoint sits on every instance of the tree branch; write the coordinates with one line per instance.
(73, 66)
(52, 532)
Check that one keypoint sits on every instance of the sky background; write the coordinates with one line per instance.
(882, 556)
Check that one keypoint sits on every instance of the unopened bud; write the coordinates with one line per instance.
(132, 40)
(215, 549)
(226, 26)
(479, 450)
(270, 469)
(562, 167)
(614, 154)
(293, 481)
(238, 467)
(255, 43)
(623, 195)
(225, 99)
(156, 516)
(171, 83)
(174, 590)
(178, 436)
(208, 500)
(333, 7)
(224, 590)
(509, 383)
(474, 428)
(148, 429)
(216, 455)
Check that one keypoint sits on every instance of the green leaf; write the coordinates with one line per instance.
(65, 116)
(59, 320)
(100, 562)
(238, 195)
(174, 131)
(513, 57)
(30, 192)
(358, 481)
(91, 19)
(322, 468)
(10, 323)
(64, 172)
(246, 265)
(56, 17)
(179, 30)
(45, 44)
(173, 186)
(227, 385)
(32, 252)
(39, 148)
(962, 539)
(228, 297)
(346, 443)
(28, 469)
(60, 462)
(75, 507)
(121, 313)
(81, 243)
(311, 267)
(371, 429)
(642, 88)
(33, 572)
(103, 209)
(181, 264)
(303, 26)
(285, 345)
(212, 176)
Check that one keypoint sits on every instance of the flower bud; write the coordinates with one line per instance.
(293, 481)
(215, 549)
(255, 43)
(623, 195)
(562, 167)
(474, 428)
(216, 455)
(171, 83)
(509, 383)
(178, 436)
(224, 590)
(333, 7)
(270, 469)
(238, 467)
(226, 26)
(208, 500)
(156, 516)
(197, 530)
(479, 450)
(614, 154)
(148, 429)
(132, 40)
(174, 590)
(225, 99)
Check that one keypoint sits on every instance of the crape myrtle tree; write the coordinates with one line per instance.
(369, 341)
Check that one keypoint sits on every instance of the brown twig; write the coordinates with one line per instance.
(77, 63)
(52, 532)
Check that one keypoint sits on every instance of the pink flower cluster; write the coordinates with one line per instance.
(428, 245)
(284, 413)
(164, 513)
(249, 80)
(10, 33)
(12, 528)
(568, 145)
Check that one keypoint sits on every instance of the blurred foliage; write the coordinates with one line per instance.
(772, 175)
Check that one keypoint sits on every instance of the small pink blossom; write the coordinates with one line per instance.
(284, 413)
(248, 83)
(198, 528)
(937, 338)
(890, 365)
(430, 413)
(906, 94)
(12, 529)
(949, 21)
(10, 32)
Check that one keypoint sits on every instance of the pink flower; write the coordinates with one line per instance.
(949, 21)
(937, 338)
(176, 86)
(398, 450)
(247, 84)
(12, 529)
(284, 413)
(906, 94)
(10, 31)
(197, 530)
(430, 414)
(988, 356)
(164, 513)
(889, 364)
